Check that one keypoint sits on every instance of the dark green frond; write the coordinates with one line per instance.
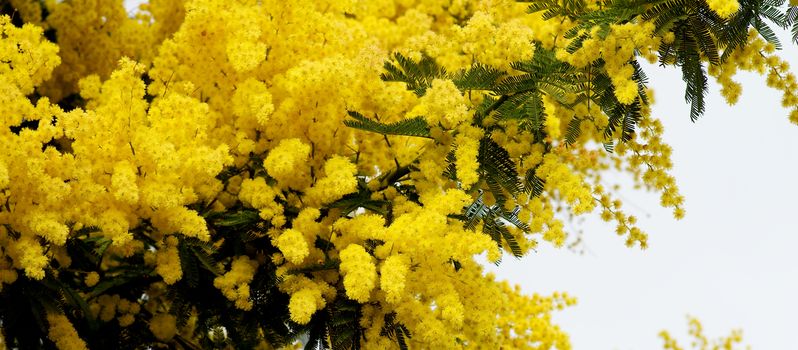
(497, 168)
(533, 185)
(574, 130)
(417, 126)
(477, 77)
(417, 75)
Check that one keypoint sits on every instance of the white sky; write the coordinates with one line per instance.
(731, 262)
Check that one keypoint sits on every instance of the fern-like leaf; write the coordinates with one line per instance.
(417, 75)
(477, 77)
(417, 126)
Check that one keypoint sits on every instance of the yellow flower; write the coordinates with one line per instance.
(442, 104)
(393, 273)
(252, 98)
(339, 180)
(359, 272)
(303, 304)
(288, 164)
(91, 279)
(163, 326)
(724, 8)
(168, 264)
(235, 283)
(293, 246)
(466, 160)
(63, 334)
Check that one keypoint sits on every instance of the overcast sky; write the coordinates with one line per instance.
(731, 262)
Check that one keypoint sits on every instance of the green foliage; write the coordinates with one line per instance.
(416, 126)
(417, 75)
(396, 331)
(478, 77)
(571, 9)
(497, 169)
(791, 19)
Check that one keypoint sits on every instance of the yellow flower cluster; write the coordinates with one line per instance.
(168, 261)
(93, 35)
(393, 274)
(179, 124)
(257, 194)
(758, 56)
(106, 307)
(339, 180)
(571, 187)
(359, 272)
(163, 326)
(699, 340)
(466, 160)
(617, 49)
(724, 8)
(443, 104)
(92, 279)
(303, 304)
(63, 334)
(288, 164)
(235, 283)
(293, 246)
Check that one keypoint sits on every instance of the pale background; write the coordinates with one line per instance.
(731, 262)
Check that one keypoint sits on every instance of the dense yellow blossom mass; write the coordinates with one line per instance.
(207, 173)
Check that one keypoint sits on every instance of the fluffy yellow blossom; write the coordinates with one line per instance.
(63, 334)
(393, 273)
(28, 62)
(115, 226)
(494, 41)
(288, 163)
(259, 195)
(700, 341)
(293, 246)
(104, 307)
(135, 132)
(363, 227)
(3, 176)
(123, 183)
(339, 180)
(28, 254)
(466, 155)
(571, 186)
(181, 220)
(443, 104)
(163, 326)
(724, 8)
(126, 320)
(47, 226)
(235, 283)
(360, 274)
(91, 279)
(168, 262)
(252, 99)
(303, 304)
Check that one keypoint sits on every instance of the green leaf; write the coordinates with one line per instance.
(417, 75)
(239, 218)
(206, 259)
(498, 169)
(417, 126)
(574, 130)
(477, 77)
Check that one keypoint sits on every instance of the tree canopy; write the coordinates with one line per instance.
(327, 174)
